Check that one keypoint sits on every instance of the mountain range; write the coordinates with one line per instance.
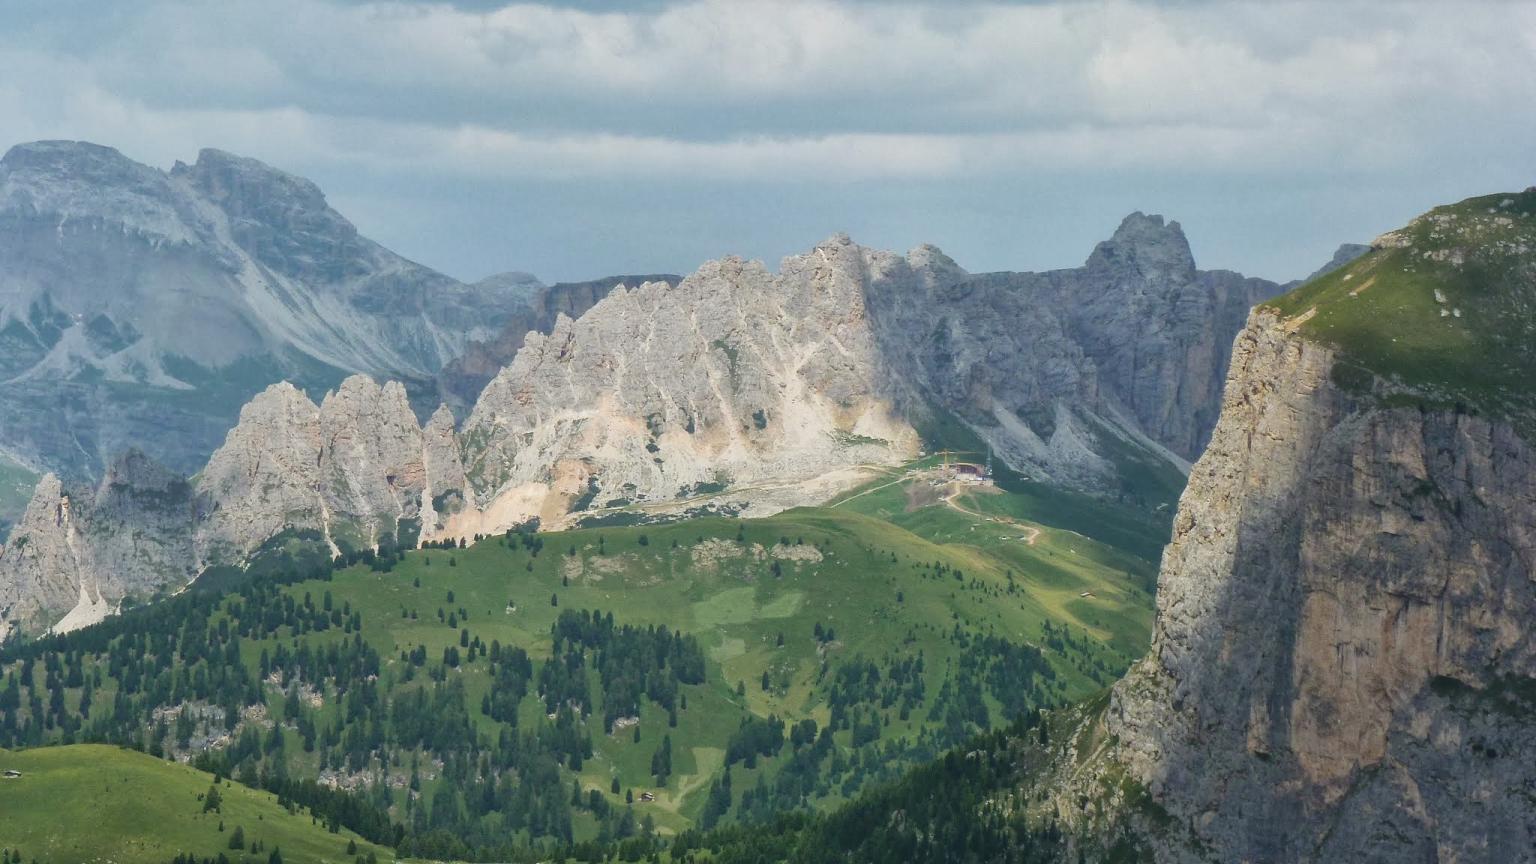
(737, 389)
(142, 308)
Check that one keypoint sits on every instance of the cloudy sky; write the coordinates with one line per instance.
(578, 139)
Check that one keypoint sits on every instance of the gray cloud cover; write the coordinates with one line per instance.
(580, 138)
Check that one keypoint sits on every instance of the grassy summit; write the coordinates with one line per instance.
(90, 802)
(1444, 309)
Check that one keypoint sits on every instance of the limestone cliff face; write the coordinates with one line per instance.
(1342, 667)
(755, 379)
(735, 376)
(461, 381)
(351, 468)
(1071, 374)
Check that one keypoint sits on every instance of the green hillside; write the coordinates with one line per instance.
(1442, 309)
(603, 683)
(95, 803)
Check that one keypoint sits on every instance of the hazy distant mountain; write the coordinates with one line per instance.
(142, 308)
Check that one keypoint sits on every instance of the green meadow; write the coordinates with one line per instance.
(896, 623)
(96, 803)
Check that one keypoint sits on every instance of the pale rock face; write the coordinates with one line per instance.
(445, 487)
(1343, 622)
(735, 374)
(461, 381)
(266, 471)
(43, 568)
(354, 469)
(351, 468)
(1065, 372)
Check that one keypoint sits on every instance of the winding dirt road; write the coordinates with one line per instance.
(1031, 533)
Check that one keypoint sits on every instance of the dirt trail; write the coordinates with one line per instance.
(1031, 533)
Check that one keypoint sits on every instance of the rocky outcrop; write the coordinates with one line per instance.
(355, 470)
(736, 376)
(142, 308)
(461, 381)
(351, 468)
(1342, 667)
(1085, 377)
(77, 554)
(1094, 378)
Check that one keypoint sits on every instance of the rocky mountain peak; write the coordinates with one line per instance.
(1342, 667)
(59, 155)
(222, 174)
(281, 220)
(76, 181)
(1146, 245)
(442, 418)
(49, 504)
(134, 468)
(462, 380)
(130, 289)
(360, 393)
(277, 400)
(748, 389)
(929, 259)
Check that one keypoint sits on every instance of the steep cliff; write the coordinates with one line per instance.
(352, 469)
(1104, 378)
(356, 470)
(1343, 666)
(735, 377)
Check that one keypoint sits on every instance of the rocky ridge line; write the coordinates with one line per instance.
(736, 388)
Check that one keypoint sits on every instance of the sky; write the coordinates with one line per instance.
(579, 139)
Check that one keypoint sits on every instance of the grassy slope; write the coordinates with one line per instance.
(695, 576)
(1382, 313)
(1139, 523)
(738, 609)
(90, 803)
(1060, 564)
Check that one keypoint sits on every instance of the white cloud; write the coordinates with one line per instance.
(799, 88)
(791, 91)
